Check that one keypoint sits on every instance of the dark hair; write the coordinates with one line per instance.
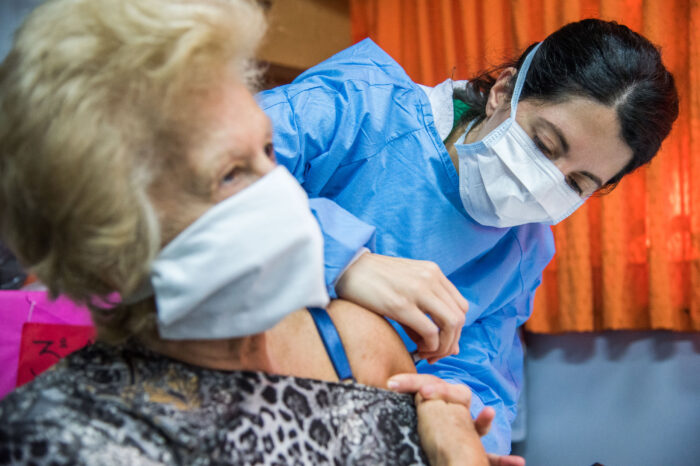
(603, 61)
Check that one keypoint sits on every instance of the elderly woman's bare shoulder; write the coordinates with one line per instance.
(374, 349)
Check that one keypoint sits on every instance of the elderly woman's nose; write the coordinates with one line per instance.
(264, 162)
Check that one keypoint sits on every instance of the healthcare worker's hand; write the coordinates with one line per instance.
(444, 422)
(447, 434)
(408, 291)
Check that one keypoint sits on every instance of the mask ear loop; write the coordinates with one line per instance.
(519, 83)
(520, 80)
(466, 131)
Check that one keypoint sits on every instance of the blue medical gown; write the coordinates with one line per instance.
(359, 136)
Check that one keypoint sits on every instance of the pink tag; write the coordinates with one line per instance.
(20, 307)
(43, 345)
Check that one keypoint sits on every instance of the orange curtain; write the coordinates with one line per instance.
(627, 260)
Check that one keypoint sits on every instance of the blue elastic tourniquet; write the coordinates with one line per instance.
(333, 343)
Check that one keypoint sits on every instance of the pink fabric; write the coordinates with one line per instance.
(18, 307)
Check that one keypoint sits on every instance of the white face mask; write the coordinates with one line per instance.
(243, 266)
(505, 180)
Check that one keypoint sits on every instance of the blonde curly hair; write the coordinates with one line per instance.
(95, 97)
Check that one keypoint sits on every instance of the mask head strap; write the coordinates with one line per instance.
(520, 81)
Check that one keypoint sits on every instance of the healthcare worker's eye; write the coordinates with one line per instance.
(574, 185)
(542, 146)
(270, 150)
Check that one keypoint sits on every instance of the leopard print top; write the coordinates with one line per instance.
(127, 405)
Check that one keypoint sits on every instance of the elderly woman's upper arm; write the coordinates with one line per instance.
(374, 349)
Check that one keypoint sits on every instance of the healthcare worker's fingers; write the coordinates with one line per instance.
(482, 424)
(430, 387)
(411, 382)
(405, 290)
(505, 460)
(450, 322)
(426, 333)
(451, 393)
(460, 307)
(415, 336)
(460, 301)
(483, 421)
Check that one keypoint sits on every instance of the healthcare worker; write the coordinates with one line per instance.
(474, 187)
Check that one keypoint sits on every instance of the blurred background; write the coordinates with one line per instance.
(613, 349)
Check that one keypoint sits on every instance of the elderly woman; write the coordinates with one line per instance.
(138, 177)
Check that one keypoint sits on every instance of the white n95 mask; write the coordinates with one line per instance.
(243, 266)
(505, 180)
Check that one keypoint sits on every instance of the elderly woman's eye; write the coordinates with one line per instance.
(269, 150)
(229, 176)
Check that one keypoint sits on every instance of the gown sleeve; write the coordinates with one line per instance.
(490, 362)
(306, 120)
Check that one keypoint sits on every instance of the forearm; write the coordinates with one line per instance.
(490, 364)
(448, 434)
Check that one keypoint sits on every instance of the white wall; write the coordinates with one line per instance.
(618, 398)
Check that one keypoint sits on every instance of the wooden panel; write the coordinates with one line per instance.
(303, 33)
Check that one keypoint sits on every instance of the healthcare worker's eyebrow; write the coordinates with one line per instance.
(595, 179)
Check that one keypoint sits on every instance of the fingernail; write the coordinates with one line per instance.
(392, 385)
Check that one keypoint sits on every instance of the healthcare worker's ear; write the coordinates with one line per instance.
(500, 93)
